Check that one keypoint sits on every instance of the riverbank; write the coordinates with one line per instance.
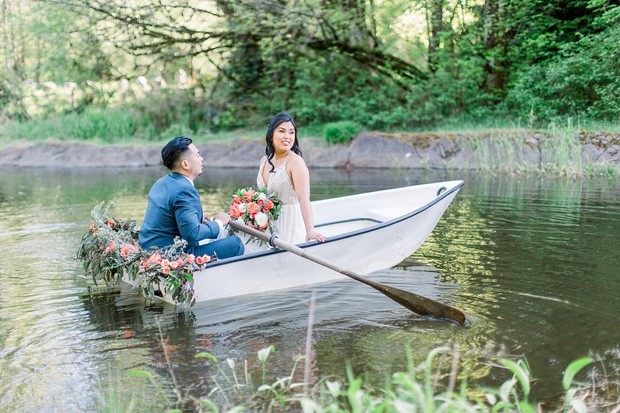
(510, 151)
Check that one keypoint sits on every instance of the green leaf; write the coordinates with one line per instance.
(142, 373)
(521, 372)
(208, 356)
(574, 368)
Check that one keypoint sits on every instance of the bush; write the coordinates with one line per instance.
(341, 132)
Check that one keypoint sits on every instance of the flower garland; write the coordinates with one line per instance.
(171, 271)
(110, 251)
(109, 248)
(254, 208)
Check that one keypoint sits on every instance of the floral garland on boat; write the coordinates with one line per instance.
(110, 251)
(255, 208)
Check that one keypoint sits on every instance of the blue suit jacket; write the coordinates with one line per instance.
(174, 209)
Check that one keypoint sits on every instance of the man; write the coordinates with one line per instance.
(174, 207)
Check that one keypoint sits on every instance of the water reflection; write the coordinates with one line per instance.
(531, 261)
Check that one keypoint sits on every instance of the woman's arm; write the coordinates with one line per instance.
(300, 177)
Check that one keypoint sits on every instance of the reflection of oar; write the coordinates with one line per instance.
(416, 303)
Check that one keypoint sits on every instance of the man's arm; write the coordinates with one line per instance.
(188, 213)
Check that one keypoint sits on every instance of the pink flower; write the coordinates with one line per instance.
(253, 209)
(249, 194)
(234, 211)
(154, 259)
(203, 260)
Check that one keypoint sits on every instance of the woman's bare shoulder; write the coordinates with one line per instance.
(296, 165)
(296, 159)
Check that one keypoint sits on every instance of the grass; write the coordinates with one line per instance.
(437, 384)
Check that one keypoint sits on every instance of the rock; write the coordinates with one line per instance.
(499, 151)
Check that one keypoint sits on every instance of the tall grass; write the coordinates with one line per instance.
(100, 126)
(437, 384)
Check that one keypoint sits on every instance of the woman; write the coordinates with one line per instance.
(285, 174)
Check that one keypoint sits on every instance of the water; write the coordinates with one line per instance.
(531, 261)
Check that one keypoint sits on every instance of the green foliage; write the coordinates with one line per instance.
(530, 61)
(109, 126)
(341, 132)
(578, 75)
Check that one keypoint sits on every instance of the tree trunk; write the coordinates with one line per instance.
(436, 27)
(5, 40)
(495, 46)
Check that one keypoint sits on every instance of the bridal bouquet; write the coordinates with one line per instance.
(254, 208)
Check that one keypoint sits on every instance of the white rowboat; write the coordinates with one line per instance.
(365, 233)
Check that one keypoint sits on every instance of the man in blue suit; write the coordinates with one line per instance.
(174, 207)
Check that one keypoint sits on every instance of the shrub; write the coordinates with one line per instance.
(341, 132)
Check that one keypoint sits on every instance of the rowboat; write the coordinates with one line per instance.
(365, 233)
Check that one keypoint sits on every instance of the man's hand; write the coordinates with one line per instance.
(223, 218)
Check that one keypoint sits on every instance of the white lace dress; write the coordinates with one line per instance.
(289, 227)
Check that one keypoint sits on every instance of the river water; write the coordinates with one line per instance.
(533, 262)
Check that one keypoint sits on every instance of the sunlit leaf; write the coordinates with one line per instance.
(574, 368)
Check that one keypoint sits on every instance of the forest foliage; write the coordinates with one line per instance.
(380, 64)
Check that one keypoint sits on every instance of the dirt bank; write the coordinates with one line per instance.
(489, 150)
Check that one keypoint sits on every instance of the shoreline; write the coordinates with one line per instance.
(508, 151)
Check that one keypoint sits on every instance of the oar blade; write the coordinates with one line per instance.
(421, 305)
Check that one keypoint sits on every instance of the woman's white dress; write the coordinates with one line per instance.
(289, 226)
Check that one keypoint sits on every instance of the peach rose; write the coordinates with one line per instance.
(253, 208)
(247, 197)
(154, 259)
(203, 259)
(234, 211)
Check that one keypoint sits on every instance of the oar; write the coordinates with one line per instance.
(416, 303)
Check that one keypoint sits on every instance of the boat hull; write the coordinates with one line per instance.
(366, 233)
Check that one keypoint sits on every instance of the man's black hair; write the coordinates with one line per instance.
(173, 150)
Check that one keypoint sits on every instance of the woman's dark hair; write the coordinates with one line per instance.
(273, 124)
(173, 150)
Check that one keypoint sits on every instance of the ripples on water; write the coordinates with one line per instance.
(532, 262)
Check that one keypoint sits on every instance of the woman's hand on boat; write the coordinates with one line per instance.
(315, 235)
